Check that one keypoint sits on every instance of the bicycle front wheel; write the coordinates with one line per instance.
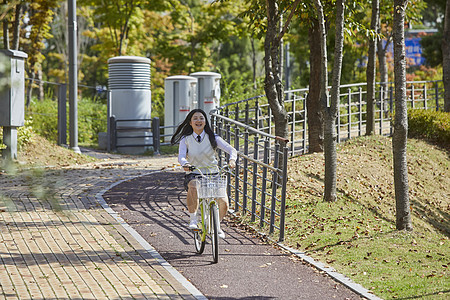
(199, 244)
(214, 214)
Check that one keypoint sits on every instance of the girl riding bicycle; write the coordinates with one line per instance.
(198, 145)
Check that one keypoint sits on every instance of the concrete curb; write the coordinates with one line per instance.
(177, 275)
(357, 288)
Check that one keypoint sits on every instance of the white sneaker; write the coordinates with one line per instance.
(193, 222)
(221, 234)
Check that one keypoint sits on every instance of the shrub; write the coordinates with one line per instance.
(91, 119)
(24, 136)
(43, 116)
(431, 125)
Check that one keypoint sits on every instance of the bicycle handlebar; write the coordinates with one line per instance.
(224, 168)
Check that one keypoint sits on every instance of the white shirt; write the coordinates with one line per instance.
(221, 144)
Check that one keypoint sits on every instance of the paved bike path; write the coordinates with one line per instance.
(57, 242)
(154, 206)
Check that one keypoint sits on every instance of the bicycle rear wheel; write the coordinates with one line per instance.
(214, 214)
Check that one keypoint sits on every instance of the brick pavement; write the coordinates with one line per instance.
(57, 242)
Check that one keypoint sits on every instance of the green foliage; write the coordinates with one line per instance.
(429, 124)
(43, 116)
(4, 69)
(432, 50)
(24, 134)
(91, 120)
(239, 89)
(40, 16)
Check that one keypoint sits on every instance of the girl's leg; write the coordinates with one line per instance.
(223, 207)
(192, 199)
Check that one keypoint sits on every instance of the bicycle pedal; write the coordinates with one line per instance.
(196, 229)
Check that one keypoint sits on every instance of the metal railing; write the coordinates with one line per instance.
(141, 132)
(351, 120)
(257, 186)
(150, 132)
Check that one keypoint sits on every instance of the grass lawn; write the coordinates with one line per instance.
(356, 235)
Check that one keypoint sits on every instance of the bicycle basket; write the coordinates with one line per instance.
(212, 187)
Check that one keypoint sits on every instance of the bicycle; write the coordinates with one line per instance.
(209, 188)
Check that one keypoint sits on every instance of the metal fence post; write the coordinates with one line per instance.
(305, 124)
(236, 177)
(349, 111)
(156, 136)
(283, 194)
(425, 95)
(338, 125)
(62, 114)
(257, 114)
(269, 113)
(245, 197)
(219, 132)
(360, 111)
(264, 183)
(294, 99)
(255, 177)
(246, 113)
(213, 120)
(113, 132)
(381, 114)
(228, 139)
(436, 91)
(391, 105)
(274, 189)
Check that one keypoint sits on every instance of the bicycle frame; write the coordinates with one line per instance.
(205, 208)
(209, 188)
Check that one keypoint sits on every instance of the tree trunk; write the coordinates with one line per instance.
(272, 82)
(371, 72)
(5, 33)
(16, 25)
(314, 113)
(328, 122)
(324, 60)
(330, 113)
(399, 139)
(29, 91)
(382, 63)
(446, 58)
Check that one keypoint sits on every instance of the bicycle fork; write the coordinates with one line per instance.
(206, 209)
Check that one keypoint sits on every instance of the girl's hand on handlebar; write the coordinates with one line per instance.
(187, 167)
(232, 164)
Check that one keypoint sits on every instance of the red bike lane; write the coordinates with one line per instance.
(248, 267)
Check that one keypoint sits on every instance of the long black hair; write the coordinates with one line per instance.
(185, 129)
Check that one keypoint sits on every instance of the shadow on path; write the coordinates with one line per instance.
(248, 268)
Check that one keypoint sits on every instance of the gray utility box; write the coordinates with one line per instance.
(12, 97)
